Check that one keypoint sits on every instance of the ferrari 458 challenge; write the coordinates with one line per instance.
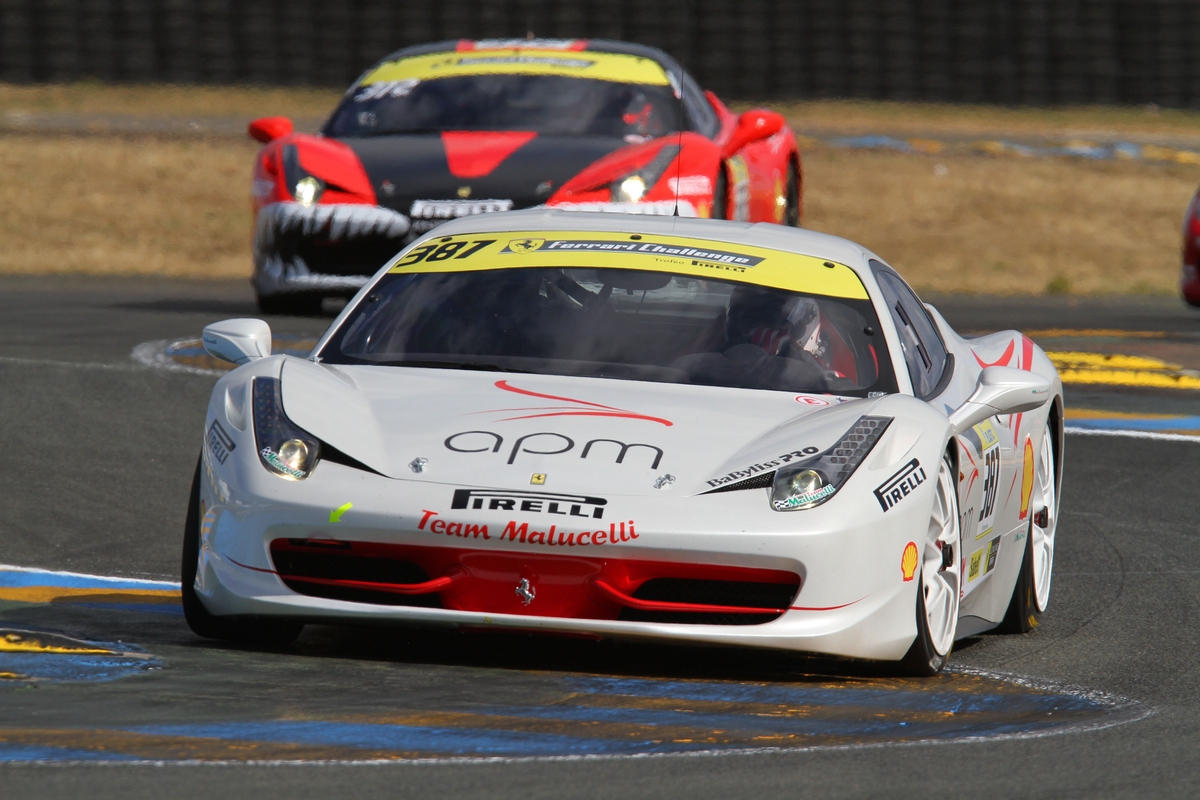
(454, 129)
(631, 427)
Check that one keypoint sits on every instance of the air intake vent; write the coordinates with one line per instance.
(763, 481)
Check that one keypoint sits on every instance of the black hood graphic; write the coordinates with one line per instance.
(416, 168)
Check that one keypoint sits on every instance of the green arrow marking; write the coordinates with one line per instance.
(336, 514)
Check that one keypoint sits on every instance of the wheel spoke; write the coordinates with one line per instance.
(1042, 536)
(941, 584)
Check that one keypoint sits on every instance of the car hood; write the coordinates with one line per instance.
(599, 435)
(407, 168)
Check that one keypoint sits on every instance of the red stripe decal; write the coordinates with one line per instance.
(1002, 361)
(473, 154)
(572, 410)
(427, 587)
(826, 608)
(615, 595)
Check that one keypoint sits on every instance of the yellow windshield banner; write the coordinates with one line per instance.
(698, 258)
(615, 67)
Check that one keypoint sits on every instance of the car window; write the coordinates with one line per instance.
(546, 104)
(924, 352)
(619, 323)
(699, 113)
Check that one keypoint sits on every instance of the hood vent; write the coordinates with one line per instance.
(764, 481)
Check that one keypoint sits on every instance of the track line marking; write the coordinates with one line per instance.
(1162, 437)
(47, 362)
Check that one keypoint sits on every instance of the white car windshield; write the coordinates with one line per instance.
(618, 323)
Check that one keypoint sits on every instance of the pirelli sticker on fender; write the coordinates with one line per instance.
(699, 258)
(900, 485)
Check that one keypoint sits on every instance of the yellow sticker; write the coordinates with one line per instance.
(1027, 478)
(908, 561)
(538, 479)
(615, 67)
(973, 570)
(680, 255)
(987, 434)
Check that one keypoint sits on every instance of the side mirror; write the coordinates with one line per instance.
(238, 340)
(1001, 390)
(753, 126)
(268, 129)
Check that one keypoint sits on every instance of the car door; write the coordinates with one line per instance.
(987, 459)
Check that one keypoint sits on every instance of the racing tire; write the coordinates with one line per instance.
(268, 633)
(720, 206)
(794, 209)
(940, 584)
(1031, 595)
(293, 304)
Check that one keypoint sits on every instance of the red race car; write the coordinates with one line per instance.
(1189, 280)
(447, 130)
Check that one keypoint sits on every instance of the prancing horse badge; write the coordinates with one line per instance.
(525, 591)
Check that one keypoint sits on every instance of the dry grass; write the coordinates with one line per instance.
(188, 102)
(181, 207)
(125, 207)
(998, 225)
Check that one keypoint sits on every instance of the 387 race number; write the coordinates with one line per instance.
(444, 251)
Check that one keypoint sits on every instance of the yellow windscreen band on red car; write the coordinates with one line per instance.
(615, 67)
(700, 258)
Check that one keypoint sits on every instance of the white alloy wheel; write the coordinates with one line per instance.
(941, 564)
(1044, 508)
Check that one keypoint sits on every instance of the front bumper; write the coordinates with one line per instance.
(323, 248)
(852, 600)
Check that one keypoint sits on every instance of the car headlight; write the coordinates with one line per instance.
(306, 188)
(809, 483)
(283, 448)
(632, 188)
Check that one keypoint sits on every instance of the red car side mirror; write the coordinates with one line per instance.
(753, 126)
(268, 129)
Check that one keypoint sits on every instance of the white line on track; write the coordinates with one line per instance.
(46, 362)
(1162, 437)
(154, 354)
(88, 576)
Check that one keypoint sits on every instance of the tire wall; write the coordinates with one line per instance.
(1030, 52)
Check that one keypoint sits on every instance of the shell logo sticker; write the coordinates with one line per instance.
(1027, 478)
(908, 561)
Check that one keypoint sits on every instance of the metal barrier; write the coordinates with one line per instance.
(1032, 52)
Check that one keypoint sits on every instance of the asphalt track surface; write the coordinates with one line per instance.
(96, 457)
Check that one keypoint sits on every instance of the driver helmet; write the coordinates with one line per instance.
(773, 320)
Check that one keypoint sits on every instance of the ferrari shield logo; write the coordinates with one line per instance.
(523, 245)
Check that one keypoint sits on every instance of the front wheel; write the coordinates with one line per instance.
(940, 584)
(264, 633)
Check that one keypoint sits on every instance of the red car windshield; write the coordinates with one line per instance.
(618, 323)
(545, 104)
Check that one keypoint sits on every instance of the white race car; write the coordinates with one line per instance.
(633, 427)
